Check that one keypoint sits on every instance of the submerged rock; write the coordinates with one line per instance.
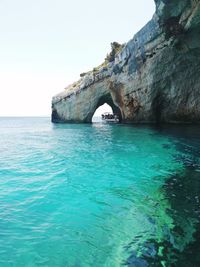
(154, 78)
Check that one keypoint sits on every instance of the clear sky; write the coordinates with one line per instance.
(46, 44)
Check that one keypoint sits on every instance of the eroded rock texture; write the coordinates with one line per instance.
(155, 77)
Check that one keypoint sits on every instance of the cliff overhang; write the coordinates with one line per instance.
(153, 78)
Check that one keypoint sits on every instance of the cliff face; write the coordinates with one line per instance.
(155, 77)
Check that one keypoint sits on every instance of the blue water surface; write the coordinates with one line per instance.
(79, 195)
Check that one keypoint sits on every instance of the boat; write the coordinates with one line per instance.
(110, 117)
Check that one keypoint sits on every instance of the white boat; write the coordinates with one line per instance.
(109, 117)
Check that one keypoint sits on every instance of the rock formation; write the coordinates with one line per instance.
(155, 77)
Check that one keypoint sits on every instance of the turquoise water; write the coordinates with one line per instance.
(98, 195)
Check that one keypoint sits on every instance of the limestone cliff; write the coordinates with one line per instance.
(155, 77)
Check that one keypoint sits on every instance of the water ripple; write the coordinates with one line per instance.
(95, 195)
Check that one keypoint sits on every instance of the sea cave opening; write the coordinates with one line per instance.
(105, 108)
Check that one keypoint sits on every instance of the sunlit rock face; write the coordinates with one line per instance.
(155, 77)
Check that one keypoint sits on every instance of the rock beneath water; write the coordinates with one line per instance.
(134, 261)
(154, 78)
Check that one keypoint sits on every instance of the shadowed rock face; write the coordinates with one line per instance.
(155, 77)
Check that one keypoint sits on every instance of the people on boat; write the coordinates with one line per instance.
(109, 116)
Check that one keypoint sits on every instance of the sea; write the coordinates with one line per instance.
(99, 194)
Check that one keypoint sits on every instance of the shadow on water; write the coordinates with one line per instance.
(180, 243)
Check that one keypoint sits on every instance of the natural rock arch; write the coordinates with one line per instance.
(153, 78)
(107, 99)
(105, 108)
(80, 106)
